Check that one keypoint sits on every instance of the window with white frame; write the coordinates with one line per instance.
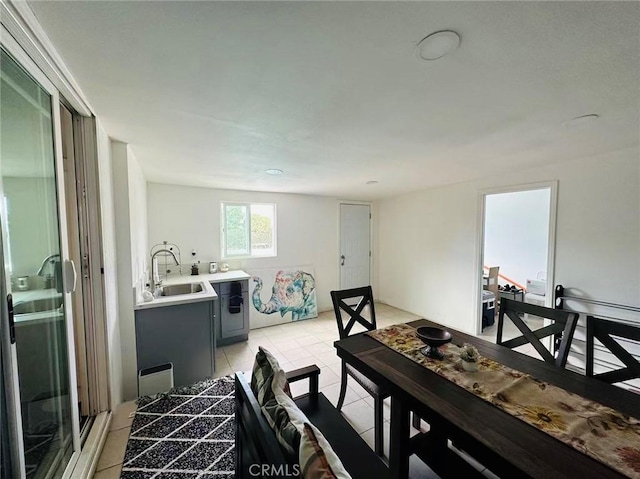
(248, 230)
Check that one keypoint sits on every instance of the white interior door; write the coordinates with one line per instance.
(355, 246)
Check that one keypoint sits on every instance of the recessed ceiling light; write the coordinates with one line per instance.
(437, 44)
(372, 182)
(580, 120)
(273, 171)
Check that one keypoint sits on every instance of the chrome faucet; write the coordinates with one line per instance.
(51, 259)
(153, 271)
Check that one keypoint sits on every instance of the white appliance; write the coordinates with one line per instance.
(536, 286)
(155, 380)
(536, 291)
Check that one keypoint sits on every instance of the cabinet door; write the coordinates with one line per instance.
(231, 324)
(182, 335)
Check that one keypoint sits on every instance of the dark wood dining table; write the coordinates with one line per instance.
(506, 445)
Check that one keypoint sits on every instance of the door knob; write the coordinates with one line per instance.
(342, 260)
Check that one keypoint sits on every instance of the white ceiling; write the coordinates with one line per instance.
(212, 94)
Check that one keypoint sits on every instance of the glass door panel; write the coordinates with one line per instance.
(32, 256)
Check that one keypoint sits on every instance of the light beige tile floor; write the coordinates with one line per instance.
(110, 461)
(294, 345)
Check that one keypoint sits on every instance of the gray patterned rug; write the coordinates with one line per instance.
(187, 433)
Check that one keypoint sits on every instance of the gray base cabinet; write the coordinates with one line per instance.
(183, 335)
(232, 327)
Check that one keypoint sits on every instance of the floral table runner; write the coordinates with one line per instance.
(596, 430)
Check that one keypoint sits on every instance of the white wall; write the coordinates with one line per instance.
(129, 193)
(109, 264)
(428, 240)
(307, 230)
(516, 233)
(138, 220)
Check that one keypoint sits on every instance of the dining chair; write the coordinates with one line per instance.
(492, 285)
(349, 305)
(564, 325)
(604, 331)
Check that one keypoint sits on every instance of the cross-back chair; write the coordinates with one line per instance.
(604, 330)
(351, 303)
(564, 325)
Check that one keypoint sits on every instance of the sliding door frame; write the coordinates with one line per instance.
(9, 43)
(19, 21)
(72, 185)
(92, 267)
(9, 371)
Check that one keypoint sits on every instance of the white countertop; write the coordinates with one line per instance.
(207, 293)
(236, 275)
(35, 295)
(37, 318)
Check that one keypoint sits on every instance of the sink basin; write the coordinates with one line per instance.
(176, 289)
(37, 306)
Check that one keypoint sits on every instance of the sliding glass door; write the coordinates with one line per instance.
(6, 469)
(40, 409)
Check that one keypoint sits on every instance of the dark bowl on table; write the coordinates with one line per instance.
(433, 338)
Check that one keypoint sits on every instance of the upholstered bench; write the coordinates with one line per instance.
(258, 453)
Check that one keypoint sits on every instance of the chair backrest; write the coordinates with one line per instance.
(493, 274)
(603, 330)
(564, 323)
(256, 443)
(492, 282)
(363, 297)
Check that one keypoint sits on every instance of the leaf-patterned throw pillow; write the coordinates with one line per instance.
(287, 434)
(266, 369)
(268, 380)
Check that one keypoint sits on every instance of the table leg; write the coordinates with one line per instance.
(439, 445)
(399, 444)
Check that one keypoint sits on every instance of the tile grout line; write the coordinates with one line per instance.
(107, 468)
(121, 459)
